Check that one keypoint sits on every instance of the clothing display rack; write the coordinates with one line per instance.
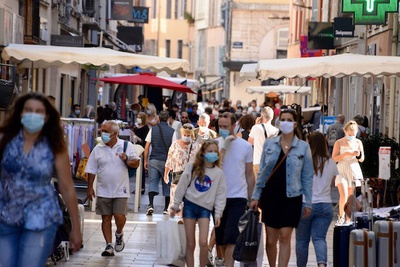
(78, 132)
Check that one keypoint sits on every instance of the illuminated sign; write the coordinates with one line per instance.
(370, 11)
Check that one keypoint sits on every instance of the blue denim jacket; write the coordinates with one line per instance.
(299, 168)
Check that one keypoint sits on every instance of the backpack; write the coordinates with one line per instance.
(131, 171)
(332, 137)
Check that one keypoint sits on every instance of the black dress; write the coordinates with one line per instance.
(278, 210)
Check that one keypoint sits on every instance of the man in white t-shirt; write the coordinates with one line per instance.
(238, 169)
(109, 162)
(174, 124)
(262, 130)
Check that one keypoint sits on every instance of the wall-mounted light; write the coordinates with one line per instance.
(301, 4)
(275, 16)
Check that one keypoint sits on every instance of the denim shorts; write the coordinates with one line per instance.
(194, 211)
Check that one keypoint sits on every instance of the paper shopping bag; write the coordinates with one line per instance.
(171, 243)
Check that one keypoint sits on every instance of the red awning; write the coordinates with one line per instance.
(149, 80)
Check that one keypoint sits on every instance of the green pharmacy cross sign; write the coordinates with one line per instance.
(370, 11)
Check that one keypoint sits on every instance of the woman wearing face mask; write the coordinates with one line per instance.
(202, 188)
(347, 152)
(151, 113)
(179, 154)
(139, 133)
(32, 146)
(286, 174)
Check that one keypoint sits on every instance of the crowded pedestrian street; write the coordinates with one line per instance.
(141, 238)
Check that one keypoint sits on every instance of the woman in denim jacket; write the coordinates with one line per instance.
(281, 196)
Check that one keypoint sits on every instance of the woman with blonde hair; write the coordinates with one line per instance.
(348, 152)
(151, 113)
(179, 154)
(202, 188)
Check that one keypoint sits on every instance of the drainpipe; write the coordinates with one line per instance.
(228, 41)
(393, 80)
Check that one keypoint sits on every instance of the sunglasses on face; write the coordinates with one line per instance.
(184, 117)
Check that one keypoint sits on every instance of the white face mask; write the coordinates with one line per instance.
(203, 129)
(186, 139)
(286, 127)
(139, 121)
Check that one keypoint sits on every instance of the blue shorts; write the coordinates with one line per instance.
(194, 211)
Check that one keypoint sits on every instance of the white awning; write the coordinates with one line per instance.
(281, 89)
(42, 56)
(248, 72)
(329, 66)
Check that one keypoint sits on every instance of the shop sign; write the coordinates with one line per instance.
(367, 12)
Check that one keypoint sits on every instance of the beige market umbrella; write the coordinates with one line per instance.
(43, 56)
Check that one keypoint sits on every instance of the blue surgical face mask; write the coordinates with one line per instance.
(224, 133)
(190, 110)
(186, 139)
(32, 122)
(77, 112)
(211, 157)
(350, 138)
(149, 112)
(105, 137)
(135, 112)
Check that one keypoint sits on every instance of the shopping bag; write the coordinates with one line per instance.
(171, 243)
(80, 172)
(260, 253)
(246, 247)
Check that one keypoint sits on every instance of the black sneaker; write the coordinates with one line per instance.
(150, 210)
(109, 251)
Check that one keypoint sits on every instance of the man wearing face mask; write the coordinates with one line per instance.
(260, 132)
(109, 162)
(160, 139)
(237, 164)
(174, 124)
(203, 133)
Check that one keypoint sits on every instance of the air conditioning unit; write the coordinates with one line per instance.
(89, 7)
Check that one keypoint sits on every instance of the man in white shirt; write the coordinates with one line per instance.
(262, 130)
(174, 124)
(237, 164)
(109, 162)
(203, 133)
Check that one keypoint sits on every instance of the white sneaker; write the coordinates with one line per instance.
(219, 261)
(341, 220)
(109, 251)
(119, 242)
(210, 259)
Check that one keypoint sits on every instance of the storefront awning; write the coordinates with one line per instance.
(329, 66)
(280, 89)
(41, 56)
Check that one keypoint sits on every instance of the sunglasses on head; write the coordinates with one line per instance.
(187, 127)
(288, 110)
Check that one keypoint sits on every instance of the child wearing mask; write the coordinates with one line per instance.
(202, 188)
